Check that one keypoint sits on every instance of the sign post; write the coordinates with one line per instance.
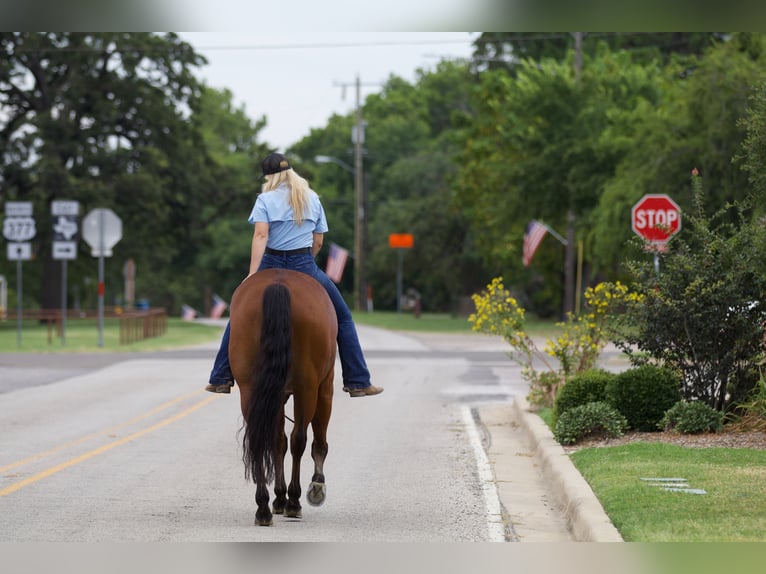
(656, 218)
(18, 229)
(64, 247)
(400, 242)
(101, 229)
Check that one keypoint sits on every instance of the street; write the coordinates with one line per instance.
(137, 451)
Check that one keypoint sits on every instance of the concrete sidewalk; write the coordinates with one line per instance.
(536, 481)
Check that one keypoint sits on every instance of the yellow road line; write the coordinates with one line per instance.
(107, 447)
(109, 430)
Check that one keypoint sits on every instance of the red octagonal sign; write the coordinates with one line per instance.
(656, 218)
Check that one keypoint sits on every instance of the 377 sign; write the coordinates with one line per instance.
(19, 228)
(19, 225)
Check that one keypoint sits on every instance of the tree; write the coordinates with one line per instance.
(506, 50)
(407, 163)
(692, 120)
(97, 118)
(218, 235)
(535, 150)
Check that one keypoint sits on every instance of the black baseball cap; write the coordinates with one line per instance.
(274, 163)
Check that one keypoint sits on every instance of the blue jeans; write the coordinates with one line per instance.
(354, 367)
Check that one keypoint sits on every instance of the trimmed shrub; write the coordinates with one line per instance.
(586, 387)
(643, 395)
(692, 418)
(588, 420)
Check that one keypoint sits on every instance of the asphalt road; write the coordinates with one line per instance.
(114, 447)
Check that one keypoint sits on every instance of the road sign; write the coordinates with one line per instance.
(656, 218)
(19, 228)
(19, 251)
(18, 208)
(65, 207)
(401, 241)
(64, 250)
(102, 230)
(65, 229)
(18, 225)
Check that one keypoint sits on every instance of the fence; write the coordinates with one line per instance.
(135, 325)
(140, 325)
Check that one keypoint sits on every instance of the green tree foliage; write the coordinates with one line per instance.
(98, 118)
(119, 121)
(407, 163)
(692, 120)
(493, 50)
(534, 150)
(221, 233)
(753, 154)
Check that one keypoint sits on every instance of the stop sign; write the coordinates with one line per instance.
(102, 230)
(656, 218)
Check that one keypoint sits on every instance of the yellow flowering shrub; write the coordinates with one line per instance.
(577, 349)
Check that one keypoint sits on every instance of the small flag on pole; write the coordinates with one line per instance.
(219, 306)
(336, 262)
(532, 238)
(188, 313)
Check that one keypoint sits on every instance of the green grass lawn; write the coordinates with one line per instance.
(429, 322)
(439, 322)
(733, 510)
(82, 336)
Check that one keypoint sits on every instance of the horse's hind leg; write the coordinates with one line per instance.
(317, 489)
(263, 514)
(297, 448)
(319, 448)
(280, 486)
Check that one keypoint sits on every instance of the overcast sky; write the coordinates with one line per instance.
(296, 80)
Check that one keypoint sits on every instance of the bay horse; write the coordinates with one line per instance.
(283, 343)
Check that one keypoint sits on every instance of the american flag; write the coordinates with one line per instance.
(188, 313)
(219, 306)
(532, 238)
(336, 262)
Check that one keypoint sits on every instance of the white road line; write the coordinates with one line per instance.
(495, 521)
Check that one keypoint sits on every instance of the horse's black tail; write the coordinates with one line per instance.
(268, 385)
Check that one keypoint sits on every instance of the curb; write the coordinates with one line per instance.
(586, 518)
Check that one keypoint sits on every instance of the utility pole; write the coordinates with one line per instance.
(360, 215)
(360, 223)
(569, 264)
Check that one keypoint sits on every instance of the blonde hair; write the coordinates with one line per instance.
(299, 188)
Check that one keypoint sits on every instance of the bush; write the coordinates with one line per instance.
(587, 387)
(691, 418)
(588, 420)
(643, 395)
(703, 315)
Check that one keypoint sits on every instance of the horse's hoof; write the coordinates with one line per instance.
(316, 493)
(293, 511)
(263, 519)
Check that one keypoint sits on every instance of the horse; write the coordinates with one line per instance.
(283, 343)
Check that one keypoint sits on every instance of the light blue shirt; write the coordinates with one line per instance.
(273, 207)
